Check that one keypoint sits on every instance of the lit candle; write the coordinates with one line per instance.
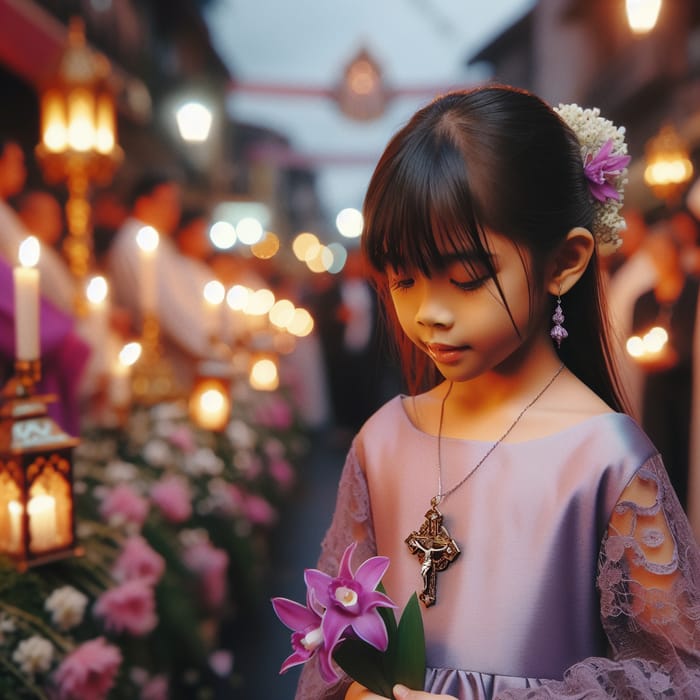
(42, 521)
(15, 511)
(96, 292)
(26, 284)
(147, 240)
(120, 379)
(214, 294)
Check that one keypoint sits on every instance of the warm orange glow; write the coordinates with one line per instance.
(264, 375)
(301, 324)
(281, 313)
(266, 247)
(104, 123)
(54, 132)
(305, 246)
(210, 405)
(81, 125)
(29, 252)
(642, 14)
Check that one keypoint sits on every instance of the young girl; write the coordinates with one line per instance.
(534, 517)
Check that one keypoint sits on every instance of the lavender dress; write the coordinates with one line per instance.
(562, 588)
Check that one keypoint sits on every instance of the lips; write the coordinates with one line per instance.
(446, 354)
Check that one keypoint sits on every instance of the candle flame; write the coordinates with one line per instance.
(29, 251)
(147, 239)
(97, 289)
(130, 353)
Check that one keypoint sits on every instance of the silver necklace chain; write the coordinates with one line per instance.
(440, 495)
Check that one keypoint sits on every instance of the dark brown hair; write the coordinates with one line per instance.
(495, 158)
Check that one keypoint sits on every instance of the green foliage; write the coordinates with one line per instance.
(402, 662)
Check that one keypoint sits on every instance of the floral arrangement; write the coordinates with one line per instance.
(349, 620)
(175, 523)
(605, 161)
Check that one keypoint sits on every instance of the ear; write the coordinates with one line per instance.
(571, 260)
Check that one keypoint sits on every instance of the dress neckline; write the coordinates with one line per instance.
(549, 436)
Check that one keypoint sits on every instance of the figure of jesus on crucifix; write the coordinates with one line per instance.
(435, 549)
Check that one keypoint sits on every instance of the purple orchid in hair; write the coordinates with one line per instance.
(600, 167)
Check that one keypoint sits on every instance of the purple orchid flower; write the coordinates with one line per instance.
(351, 601)
(307, 636)
(599, 169)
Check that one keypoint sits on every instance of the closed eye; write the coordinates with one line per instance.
(469, 285)
(403, 283)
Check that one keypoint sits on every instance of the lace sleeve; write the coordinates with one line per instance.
(649, 579)
(351, 521)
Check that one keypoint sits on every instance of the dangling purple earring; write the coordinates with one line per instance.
(558, 331)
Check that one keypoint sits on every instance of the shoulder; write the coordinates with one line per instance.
(383, 430)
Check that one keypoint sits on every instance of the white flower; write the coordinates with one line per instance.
(67, 607)
(593, 131)
(118, 471)
(34, 655)
(157, 452)
(240, 435)
(203, 461)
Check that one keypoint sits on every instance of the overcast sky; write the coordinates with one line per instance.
(308, 43)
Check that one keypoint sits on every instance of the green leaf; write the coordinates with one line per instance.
(409, 666)
(365, 664)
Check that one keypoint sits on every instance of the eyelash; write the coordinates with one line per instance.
(470, 286)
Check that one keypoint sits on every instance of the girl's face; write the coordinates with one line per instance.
(457, 315)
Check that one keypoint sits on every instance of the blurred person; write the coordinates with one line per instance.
(358, 380)
(42, 216)
(13, 177)
(635, 275)
(64, 354)
(156, 200)
(108, 212)
(667, 391)
(192, 235)
(685, 230)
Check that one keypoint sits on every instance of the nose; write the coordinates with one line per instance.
(433, 312)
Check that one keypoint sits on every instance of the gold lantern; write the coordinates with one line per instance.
(78, 139)
(37, 512)
(210, 400)
(668, 166)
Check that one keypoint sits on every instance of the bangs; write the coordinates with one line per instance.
(415, 216)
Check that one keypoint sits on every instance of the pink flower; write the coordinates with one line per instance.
(599, 170)
(182, 438)
(124, 504)
(307, 637)
(221, 662)
(274, 413)
(139, 560)
(350, 600)
(173, 498)
(258, 510)
(155, 689)
(282, 472)
(210, 564)
(88, 672)
(129, 607)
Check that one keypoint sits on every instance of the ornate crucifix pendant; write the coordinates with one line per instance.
(435, 549)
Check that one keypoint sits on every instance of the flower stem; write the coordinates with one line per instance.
(36, 691)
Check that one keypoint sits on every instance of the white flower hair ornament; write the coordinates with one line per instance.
(605, 161)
